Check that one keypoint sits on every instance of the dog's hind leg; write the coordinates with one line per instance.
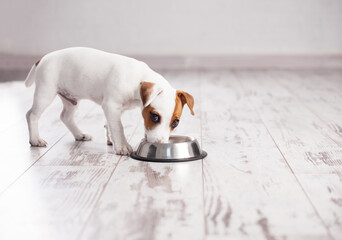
(67, 117)
(43, 96)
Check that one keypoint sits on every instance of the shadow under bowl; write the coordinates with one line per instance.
(178, 149)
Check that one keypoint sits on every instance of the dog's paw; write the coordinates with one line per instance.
(38, 143)
(124, 150)
(83, 137)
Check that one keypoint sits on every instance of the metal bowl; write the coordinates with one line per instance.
(178, 149)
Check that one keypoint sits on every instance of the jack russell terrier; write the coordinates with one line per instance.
(115, 82)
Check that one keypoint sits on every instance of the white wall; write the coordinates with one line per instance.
(173, 27)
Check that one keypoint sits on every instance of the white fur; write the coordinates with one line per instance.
(111, 80)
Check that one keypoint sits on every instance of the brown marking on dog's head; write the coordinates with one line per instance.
(146, 89)
(187, 98)
(146, 113)
(177, 112)
(181, 99)
(37, 62)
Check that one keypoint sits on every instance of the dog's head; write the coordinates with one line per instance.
(162, 109)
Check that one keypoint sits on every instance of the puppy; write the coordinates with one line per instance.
(115, 82)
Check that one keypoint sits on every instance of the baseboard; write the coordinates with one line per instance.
(17, 67)
(244, 62)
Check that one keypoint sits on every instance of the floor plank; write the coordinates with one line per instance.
(321, 93)
(306, 142)
(15, 145)
(154, 200)
(249, 190)
(293, 125)
(55, 197)
(273, 169)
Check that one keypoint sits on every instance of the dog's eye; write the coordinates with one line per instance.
(154, 117)
(175, 123)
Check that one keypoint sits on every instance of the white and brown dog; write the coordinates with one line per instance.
(115, 82)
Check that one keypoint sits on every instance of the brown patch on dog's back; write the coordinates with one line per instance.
(147, 119)
(37, 62)
(145, 91)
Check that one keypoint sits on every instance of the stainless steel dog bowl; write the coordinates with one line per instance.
(178, 149)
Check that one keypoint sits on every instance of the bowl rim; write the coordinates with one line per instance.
(189, 139)
(168, 160)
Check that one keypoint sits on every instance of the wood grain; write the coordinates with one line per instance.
(273, 170)
(311, 148)
(14, 141)
(55, 196)
(250, 192)
(320, 92)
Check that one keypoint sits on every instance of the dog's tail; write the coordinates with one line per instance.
(32, 75)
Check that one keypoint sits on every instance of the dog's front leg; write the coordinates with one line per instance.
(113, 112)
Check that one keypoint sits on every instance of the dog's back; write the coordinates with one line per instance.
(84, 72)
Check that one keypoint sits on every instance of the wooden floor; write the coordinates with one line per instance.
(273, 171)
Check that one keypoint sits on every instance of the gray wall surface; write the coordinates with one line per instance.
(179, 27)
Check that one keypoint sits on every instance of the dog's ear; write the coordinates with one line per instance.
(186, 98)
(148, 92)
